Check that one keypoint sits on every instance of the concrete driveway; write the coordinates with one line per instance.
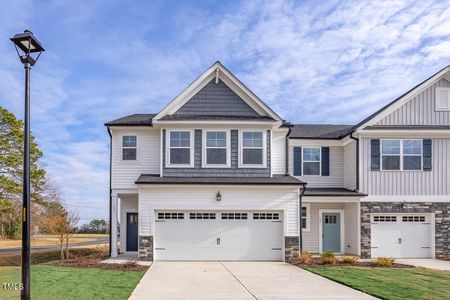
(237, 280)
(436, 264)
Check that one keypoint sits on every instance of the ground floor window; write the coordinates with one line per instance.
(305, 217)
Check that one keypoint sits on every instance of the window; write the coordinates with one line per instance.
(253, 148)
(390, 154)
(412, 154)
(305, 217)
(266, 216)
(442, 99)
(129, 144)
(401, 155)
(413, 219)
(202, 216)
(216, 149)
(385, 218)
(180, 148)
(330, 219)
(311, 161)
(234, 216)
(170, 215)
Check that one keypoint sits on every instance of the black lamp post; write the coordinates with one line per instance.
(27, 44)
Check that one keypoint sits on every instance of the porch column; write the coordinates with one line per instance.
(114, 205)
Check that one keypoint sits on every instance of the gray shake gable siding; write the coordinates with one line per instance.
(233, 171)
(216, 99)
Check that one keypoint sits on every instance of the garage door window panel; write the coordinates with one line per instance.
(170, 215)
(266, 216)
(234, 216)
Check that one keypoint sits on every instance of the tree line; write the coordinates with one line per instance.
(47, 208)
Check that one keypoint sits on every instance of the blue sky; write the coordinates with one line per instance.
(312, 62)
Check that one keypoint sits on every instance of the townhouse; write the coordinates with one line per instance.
(218, 175)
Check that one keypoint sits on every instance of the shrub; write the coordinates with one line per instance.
(305, 258)
(383, 262)
(328, 258)
(349, 260)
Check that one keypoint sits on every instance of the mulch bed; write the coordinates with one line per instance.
(96, 263)
(316, 262)
(79, 258)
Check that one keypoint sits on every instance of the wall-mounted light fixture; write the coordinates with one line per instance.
(218, 196)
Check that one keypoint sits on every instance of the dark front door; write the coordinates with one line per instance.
(132, 231)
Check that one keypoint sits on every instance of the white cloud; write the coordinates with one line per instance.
(310, 61)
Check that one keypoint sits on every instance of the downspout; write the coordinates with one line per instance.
(300, 236)
(357, 160)
(110, 189)
(287, 151)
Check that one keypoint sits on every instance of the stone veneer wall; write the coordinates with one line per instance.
(291, 248)
(146, 247)
(442, 222)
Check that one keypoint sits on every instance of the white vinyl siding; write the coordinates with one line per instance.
(204, 198)
(126, 172)
(311, 237)
(421, 110)
(434, 182)
(336, 178)
(278, 152)
(350, 166)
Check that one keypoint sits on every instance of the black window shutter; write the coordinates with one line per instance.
(325, 161)
(375, 155)
(297, 161)
(427, 155)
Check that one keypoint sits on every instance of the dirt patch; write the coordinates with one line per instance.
(316, 262)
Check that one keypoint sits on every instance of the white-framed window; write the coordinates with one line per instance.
(401, 155)
(129, 147)
(216, 151)
(252, 149)
(311, 160)
(443, 99)
(179, 148)
(305, 219)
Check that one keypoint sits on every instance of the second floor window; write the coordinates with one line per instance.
(401, 155)
(252, 148)
(216, 148)
(311, 160)
(179, 148)
(129, 145)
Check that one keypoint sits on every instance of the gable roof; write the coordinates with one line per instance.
(133, 120)
(396, 103)
(217, 70)
(320, 131)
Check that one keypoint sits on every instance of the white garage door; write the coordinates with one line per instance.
(218, 235)
(401, 235)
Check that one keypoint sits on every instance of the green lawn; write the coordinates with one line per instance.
(385, 283)
(49, 282)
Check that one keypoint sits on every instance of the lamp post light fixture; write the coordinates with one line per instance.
(27, 44)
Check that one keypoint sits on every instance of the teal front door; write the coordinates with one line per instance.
(331, 232)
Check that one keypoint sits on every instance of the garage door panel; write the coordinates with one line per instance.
(233, 236)
(401, 235)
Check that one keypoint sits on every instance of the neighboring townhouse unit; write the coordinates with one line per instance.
(218, 175)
